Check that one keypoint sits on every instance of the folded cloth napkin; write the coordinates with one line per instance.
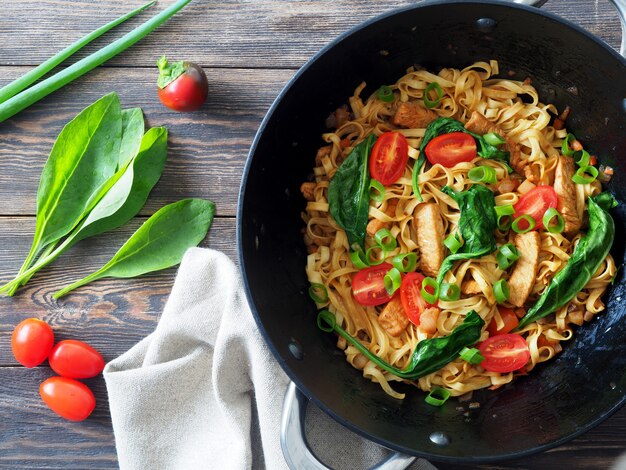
(204, 392)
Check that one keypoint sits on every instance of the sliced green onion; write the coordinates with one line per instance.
(504, 214)
(501, 291)
(437, 396)
(385, 94)
(372, 260)
(565, 148)
(529, 220)
(427, 101)
(431, 298)
(392, 280)
(318, 293)
(482, 174)
(377, 191)
(494, 139)
(326, 321)
(449, 292)
(453, 242)
(548, 217)
(585, 175)
(471, 355)
(359, 259)
(385, 239)
(38, 91)
(405, 262)
(35, 74)
(581, 157)
(507, 255)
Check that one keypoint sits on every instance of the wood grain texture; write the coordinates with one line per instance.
(229, 33)
(207, 149)
(111, 314)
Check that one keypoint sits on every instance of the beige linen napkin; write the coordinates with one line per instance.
(204, 392)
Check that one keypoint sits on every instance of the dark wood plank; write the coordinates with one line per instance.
(35, 437)
(207, 150)
(229, 33)
(110, 314)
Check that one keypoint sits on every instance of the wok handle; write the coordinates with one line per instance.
(296, 448)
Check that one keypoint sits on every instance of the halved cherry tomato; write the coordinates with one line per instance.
(450, 149)
(68, 398)
(389, 157)
(510, 322)
(535, 203)
(75, 360)
(32, 342)
(504, 353)
(368, 285)
(411, 296)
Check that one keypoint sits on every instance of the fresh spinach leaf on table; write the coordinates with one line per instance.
(159, 243)
(120, 204)
(133, 129)
(348, 193)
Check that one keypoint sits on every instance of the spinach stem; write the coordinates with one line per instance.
(77, 284)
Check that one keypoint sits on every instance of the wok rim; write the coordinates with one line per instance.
(243, 265)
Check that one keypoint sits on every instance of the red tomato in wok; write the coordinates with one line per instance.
(504, 353)
(451, 149)
(368, 285)
(510, 322)
(31, 342)
(68, 398)
(75, 360)
(389, 157)
(411, 296)
(535, 203)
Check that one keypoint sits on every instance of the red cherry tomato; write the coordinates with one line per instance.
(504, 353)
(411, 296)
(450, 149)
(389, 157)
(75, 360)
(510, 322)
(535, 203)
(68, 398)
(368, 285)
(189, 88)
(31, 342)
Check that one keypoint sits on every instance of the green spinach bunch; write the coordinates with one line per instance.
(587, 257)
(444, 125)
(98, 176)
(477, 225)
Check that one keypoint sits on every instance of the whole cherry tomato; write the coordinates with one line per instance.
(183, 86)
(31, 342)
(68, 398)
(75, 360)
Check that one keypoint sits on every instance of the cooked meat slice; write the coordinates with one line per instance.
(470, 287)
(566, 192)
(308, 190)
(428, 320)
(413, 116)
(375, 225)
(392, 318)
(525, 271)
(479, 124)
(430, 236)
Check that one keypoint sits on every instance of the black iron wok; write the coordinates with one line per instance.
(560, 399)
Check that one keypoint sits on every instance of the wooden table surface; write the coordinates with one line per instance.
(249, 49)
